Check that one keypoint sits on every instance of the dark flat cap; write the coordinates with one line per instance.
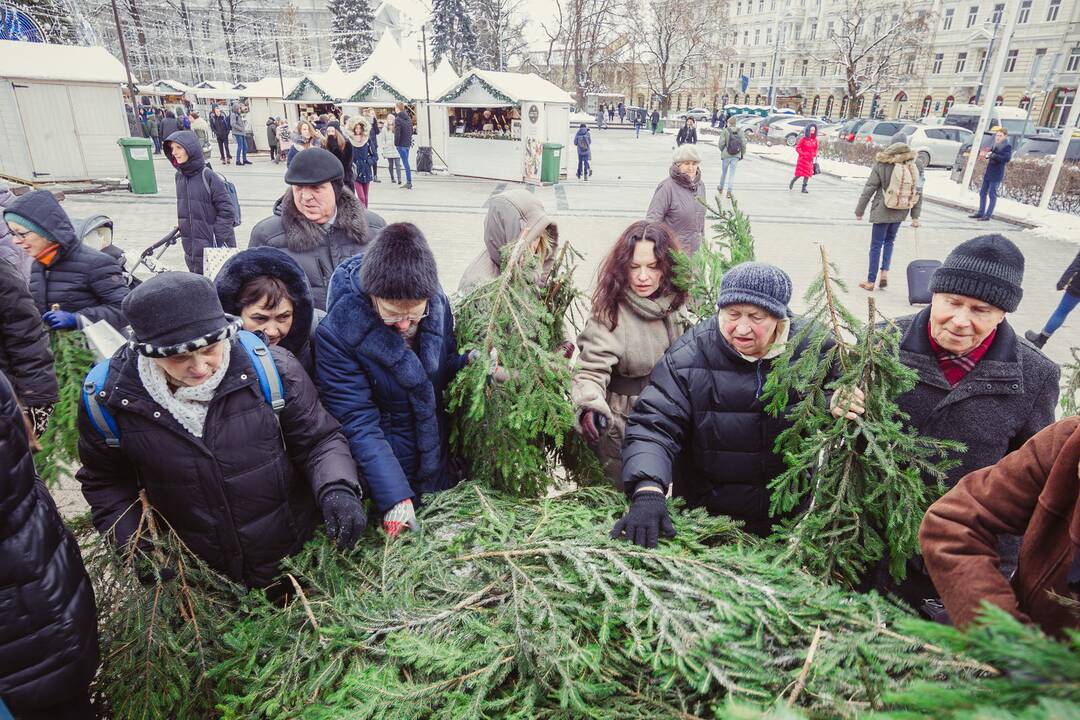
(314, 167)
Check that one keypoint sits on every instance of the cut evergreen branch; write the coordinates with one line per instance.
(72, 359)
(1070, 384)
(862, 480)
(516, 434)
(700, 275)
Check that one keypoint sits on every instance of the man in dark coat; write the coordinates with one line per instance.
(204, 209)
(24, 349)
(48, 623)
(403, 137)
(385, 354)
(702, 409)
(219, 123)
(654, 120)
(240, 483)
(997, 157)
(87, 284)
(169, 125)
(317, 221)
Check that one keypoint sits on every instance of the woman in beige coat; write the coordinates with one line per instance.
(636, 316)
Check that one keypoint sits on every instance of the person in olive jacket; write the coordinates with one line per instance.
(204, 208)
(24, 349)
(48, 623)
(702, 408)
(87, 284)
(240, 483)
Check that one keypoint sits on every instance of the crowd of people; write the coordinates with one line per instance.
(304, 385)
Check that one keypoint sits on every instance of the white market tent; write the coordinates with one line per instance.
(162, 88)
(543, 109)
(209, 90)
(264, 100)
(385, 78)
(61, 112)
(331, 86)
(443, 79)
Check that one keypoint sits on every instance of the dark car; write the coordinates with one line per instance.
(1045, 146)
(850, 129)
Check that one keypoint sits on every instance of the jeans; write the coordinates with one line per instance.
(223, 149)
(404, 153)
(393, 166)
(988, 197)
(1068, 302)
(583, 164)
(728, 165)
(241, 148)
(637, 129)
(882, 236)
(654, 126)
(157, 144)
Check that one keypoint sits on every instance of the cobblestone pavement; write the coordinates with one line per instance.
(788, 225)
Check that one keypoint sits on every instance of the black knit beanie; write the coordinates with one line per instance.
(174, 313)
(988, 267)
(399, 265)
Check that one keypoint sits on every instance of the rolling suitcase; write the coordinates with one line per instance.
(918, 277)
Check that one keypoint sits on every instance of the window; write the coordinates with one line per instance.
(999, 9)
(1052, 10)
(742, 69)
(937, 63)
(973, 15)
(753, 69)
(735, 38)
(738, 8)
(757, 36)
(946, 24)
(768, 36)
(780, 68)
(1025, 102)
(761, 6)
(829, 29)
(824, 68)
(982, 60)
(763, 73)
(909, 65)
(961, 61)
(1074, 60)
(1010, 60)
(805, 67)
(798, 31)
(813, 30)
(1025, 11)
(746, 37)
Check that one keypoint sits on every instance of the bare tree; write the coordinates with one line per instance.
(500, 33)
(874, 44)
(583, 37)
(677, 39)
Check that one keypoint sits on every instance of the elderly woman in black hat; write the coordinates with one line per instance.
(240, 479)
(318, 221)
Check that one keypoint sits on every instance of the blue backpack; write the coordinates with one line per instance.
(103, 422)
(228, 186)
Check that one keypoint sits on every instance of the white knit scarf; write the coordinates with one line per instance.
(187, 404)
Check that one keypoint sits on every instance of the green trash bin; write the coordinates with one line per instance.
(139, 158)
(551, 163)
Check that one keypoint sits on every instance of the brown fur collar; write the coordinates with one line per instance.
(895, 153)
(302, 235)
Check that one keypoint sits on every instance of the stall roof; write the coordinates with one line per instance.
(330, 86)
(443, 79)
(216, 89)
(389, 67)
(269, 87)
(508, 87)
(167, 87)
(46, 61)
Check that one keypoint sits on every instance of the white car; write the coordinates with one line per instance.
(936, 145)
(788, 131)
(699, 115)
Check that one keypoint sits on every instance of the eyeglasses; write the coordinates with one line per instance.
(395, 319)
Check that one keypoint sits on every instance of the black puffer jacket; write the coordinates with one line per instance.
(238, 497)
(702, 409)
(24, 344)
(1070, 279)
(403, 129)
(48, 624)
(253, 262)
(317, 252)
(205, 217)
(81, 279)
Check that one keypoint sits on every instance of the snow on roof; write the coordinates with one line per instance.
(443, 79)
(216, 89)
(167, 87)
(516, 86)
(335, 82)
(389, 64)
(268, 87)
(45, 61)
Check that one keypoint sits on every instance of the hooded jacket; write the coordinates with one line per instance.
(48, 623)
(403, 129)
(271, 132)
(238, 120)
(80, 279)
(243, 496)
(253, 262)
(806, 148)
(509, 215)
(581, 138)
(8, 249)
(676, 202)
(24, 343)
(205, 218)
(878, 181)
(388, 397)
(317, 251)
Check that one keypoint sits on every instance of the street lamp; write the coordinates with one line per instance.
(778, 33)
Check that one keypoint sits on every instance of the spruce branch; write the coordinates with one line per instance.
(72, 359)
(1070, 384)
(700, 275)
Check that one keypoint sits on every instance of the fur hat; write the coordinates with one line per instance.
(174, 313)
(988, 267)
(686, 153)
(399, 265)
(757, 283)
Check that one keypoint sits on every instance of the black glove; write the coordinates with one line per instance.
(344, 516)
(646, 519)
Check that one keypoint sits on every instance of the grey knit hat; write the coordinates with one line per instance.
(757, 283)
(174, 313)
(399, 265)
(686, 153)
(988, 267)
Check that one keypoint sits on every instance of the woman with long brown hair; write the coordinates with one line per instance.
(635, 318)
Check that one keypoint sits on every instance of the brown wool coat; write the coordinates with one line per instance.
(678, 202)
(1033, 492)
(645, 331)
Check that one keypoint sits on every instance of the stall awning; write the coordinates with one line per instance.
(487, 88)
(45, 61)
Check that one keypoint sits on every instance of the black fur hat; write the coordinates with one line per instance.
(399, 265)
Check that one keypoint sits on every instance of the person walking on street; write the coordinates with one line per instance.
(583, 143)
(152, 129)
(687, 133)
(715, 118)
(339, 145)
(679, 199)
(600, 118)
(305, 138)
(204, 207)
(622, 112)
(362, 160)
(284, 136)
(272, 139)
(219, 124)
(892, 185)
(238, 120)
(655, 120)
(807, 151)
(1070, 283)
(389, 150)
(201, 128)
(372, 125)
(403, 137)
(997, 157)
(610, 113)
(732, 144)
(639, 120)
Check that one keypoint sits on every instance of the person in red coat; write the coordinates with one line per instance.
(807, 150)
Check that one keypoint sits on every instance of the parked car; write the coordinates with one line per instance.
(749, 124)
(789, 131)
(936, 145)
(699, 115)
(1044, 146)
(763, 128)
(1014, 120)
(880, 132)
(849, 130)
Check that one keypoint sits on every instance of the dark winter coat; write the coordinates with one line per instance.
(168, 126)
(1070, 279)
(996, 160)
(24, 343)
(81, 279)
(583, 142)
(240, 497)
(702, 410)
(655, 118)
(687, 136)
(388, 398)
(205, 218)
(878, 181)
(271, 132)
(342, 149)
(220, 125)
(253, 262)
(364, 160)
(806, 148)
(152, 126)
(678, 201)
(48, 623)
(1009, 396)
(8, 249)
(315, 250)
(403, 129)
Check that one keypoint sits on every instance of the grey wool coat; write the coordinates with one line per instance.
(878, 180)
(676, 202)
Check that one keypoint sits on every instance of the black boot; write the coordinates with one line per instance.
(804, 180)
(791, 184)
(1038, 339)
